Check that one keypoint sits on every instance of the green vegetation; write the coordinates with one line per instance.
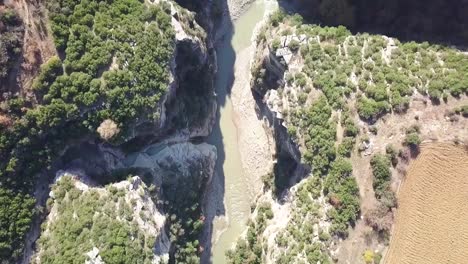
(382, 177)
(296, 241)
(343, 193)
(320, 136)
(392, 154)
(463, 110)
(346, 147)
(185, 217)
(412, 137)
(11, 39)
(341, 64)
(73, 102)
(250, 249)
(16, 211)
(87, 219)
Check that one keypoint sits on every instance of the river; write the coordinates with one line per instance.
(237, 199)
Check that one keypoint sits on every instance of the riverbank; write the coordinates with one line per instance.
(256, 143)
(231, 192)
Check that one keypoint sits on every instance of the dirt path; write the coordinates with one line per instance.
(432, 221)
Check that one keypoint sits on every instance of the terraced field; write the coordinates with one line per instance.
(432, 218)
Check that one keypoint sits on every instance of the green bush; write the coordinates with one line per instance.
(294, 45)
(346, 147)
(275, 44)
(464, 110)
(277, 17)
(392, 154)
(300, 79)
(250, 250)
(321, 137)
(93, 219)
(11, 39)
(382, 175)
(412, 139)
(47, 74)
(343, 192)
(369, 109)
(16, 212)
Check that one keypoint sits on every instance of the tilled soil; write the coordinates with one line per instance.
(432, 218)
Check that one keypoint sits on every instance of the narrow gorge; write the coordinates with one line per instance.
(231, 131)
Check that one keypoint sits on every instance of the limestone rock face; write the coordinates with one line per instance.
(192, 69)
(132, 193)
(169, 163)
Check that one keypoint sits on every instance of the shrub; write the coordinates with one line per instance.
(47, 74)
(382, 176)
(300, 79)
(294, 45)
(392, 154)
(370, 110)
(343, 193)
(368, 256)
(464, 110)
(412, 139)
(277, 17)
(346, 147)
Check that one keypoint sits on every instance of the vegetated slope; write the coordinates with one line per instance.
(433, 20)
(11, 40)
(332, 92)
(431, 224)
(76, 93)
(116, 224)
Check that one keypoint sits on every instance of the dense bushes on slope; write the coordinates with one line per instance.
(382, 72)
(11, 39)
(343, 193)
(16, 211)
(83, 220)
(382, 175)
(342, 75)
(75, 100)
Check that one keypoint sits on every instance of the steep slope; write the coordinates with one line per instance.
(116, 224)
(348, 113)
(109, 91)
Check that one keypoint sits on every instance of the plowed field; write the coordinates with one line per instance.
(432, 218)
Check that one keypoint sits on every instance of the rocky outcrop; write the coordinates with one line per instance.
(160, 151)
(145, 214)
(189, 106)
(169, 163)
(288, 168)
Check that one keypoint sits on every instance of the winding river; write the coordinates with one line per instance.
(237, 199)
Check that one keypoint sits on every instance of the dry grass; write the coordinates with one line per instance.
(432, 220)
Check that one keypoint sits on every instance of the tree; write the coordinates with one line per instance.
(381, 171)
(108, 129)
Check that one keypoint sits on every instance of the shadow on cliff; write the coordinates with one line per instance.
(224, 80)
(223, 30)
(435, 21)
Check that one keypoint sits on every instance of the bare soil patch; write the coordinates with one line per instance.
(38, 44)
(432, 218)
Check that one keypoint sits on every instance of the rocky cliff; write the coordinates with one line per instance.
(157, 147)
(348, 112)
